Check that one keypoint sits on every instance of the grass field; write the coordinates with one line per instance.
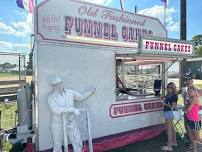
(8, 116)
(8, 111)
(199, 85)
(7, 74)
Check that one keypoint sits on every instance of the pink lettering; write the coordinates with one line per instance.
(125, 33)
(88, 28)
(147, 44)
(68, 24)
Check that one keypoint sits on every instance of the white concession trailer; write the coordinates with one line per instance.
(81, 42)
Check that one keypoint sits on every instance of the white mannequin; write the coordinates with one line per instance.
(62, 101)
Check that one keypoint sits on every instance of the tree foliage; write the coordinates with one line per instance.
(7, 65)
(198, 45)
(198, 52)
(29, 63)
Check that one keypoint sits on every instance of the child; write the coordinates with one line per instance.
(169, 104)
(194, 122)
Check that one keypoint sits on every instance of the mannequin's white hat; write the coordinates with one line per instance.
(55, 80)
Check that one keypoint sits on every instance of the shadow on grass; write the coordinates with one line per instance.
(151, 145)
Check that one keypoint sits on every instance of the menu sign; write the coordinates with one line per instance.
(161, 46)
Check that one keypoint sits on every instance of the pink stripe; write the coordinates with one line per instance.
(28, 5)
(31, 6)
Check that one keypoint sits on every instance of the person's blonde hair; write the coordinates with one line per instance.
(193, 88)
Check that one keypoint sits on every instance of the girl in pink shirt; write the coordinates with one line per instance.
(194, 122)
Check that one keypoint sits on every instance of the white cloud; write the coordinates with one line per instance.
(13, 47)
(5, 29)
(158, 12)
(101, 2)
(19, 29)
(175, 27)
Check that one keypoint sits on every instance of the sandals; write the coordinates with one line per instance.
(174, 144)
(165, 148)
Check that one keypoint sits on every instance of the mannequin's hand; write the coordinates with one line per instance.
(93, 90)
(69, 109)
(76, 112)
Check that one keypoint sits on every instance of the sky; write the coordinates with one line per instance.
(16, 23)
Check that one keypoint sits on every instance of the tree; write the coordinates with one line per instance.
(29, 63)
(198, 45)
(198, 51)
(7, 66)
(197, 40)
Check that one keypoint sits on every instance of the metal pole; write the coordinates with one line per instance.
(183, 20)
(25, 70)
(1, 140)
(163, 78)
(164, 65)
(122, 6)
(183, 36)
(0, 119)
(165, 14)
(16, 118)
(135, 9)
(19, 70)
(89, 132)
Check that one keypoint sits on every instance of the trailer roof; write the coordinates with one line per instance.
(12, 53)
(194, 59)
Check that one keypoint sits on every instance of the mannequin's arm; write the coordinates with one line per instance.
(55, 108)
(59, 110)
(79, 97)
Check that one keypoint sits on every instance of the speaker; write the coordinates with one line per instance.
(157, 87)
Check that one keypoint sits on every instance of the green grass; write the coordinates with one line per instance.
(8, 116)
(198, 85)
(8, 122)
(7, 74)
(7, 146)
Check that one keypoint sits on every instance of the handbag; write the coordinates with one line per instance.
(177, 113)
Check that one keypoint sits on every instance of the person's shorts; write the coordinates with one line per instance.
(168, 115)
(194, 125)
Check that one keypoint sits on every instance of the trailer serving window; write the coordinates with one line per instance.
(138, 78)
(142, 73)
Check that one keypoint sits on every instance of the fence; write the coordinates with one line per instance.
(8, 104)
(12, 74)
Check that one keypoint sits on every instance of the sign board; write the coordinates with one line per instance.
(81, 22)
(134, 108)
(169, 47)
